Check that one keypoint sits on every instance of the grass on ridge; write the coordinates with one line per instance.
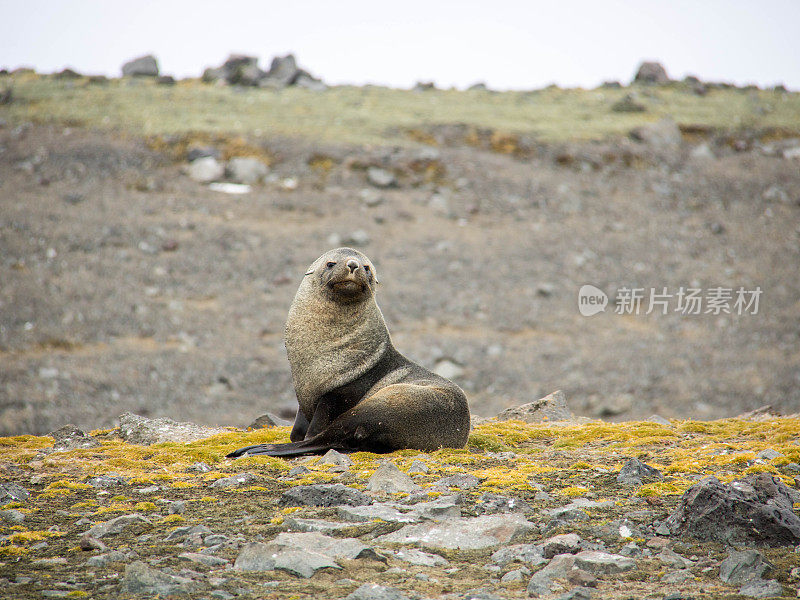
(374, 115)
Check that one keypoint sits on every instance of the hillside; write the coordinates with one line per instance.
(129, 286)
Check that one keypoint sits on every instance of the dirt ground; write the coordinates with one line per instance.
(126, 286)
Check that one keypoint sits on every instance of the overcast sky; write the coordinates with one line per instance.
(518, 45)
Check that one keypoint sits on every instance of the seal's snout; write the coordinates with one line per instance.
(352, 264)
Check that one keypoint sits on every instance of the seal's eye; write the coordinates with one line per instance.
(331, 264)
(366, 268)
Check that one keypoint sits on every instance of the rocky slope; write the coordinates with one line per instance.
(555, 509)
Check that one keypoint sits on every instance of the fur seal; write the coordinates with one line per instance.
(355, 391)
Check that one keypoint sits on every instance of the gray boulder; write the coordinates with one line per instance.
(651, 72)
(144, 66)
(238, 69)
(754, 510)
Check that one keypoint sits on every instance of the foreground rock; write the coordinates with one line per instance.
(301, 554)
(754, 510)
(462, 533)
(334, 494)
(141, 430)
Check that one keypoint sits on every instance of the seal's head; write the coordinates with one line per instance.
(343, 275)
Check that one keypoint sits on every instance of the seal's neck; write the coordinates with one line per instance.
(331, 344)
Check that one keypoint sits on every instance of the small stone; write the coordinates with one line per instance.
(233, 481)
(103, 560)
(373, 591)
(175, 507)
(628, 104)
(268, 420)
(762, 589)
(673, 559)
(417, 466)
(381, 178)
(89, 542)
(141, 579)
(679, 576)
(552, 407)
(702, 152)
(543, 580)
(359, 237)
(775, 193)
(462, 481)
(371, 197)
(50, 562)
(388, 478)
(419, 558)
(332, 457)
(318, 525)
(768, 454)
(634, 472)
(566, 543)
(299, 470)
(660, 420)
(516, 575)
(246, 170)
(448, 369)
(116, 525)
(530, 554)
(488, 504)
(70, 437)
(577, 593)
(384, 512)
(11, 492)
(203, 559)
(334, 494)
(631, 550)
(205, 170)
(12, 516)
(741, 567)
(462, 533)
(199, 467)
(603, 563)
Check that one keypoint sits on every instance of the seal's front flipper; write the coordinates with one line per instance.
(311, 446)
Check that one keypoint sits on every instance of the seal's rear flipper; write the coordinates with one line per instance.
(311, 446)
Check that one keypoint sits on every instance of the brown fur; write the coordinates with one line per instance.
(355, 391)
